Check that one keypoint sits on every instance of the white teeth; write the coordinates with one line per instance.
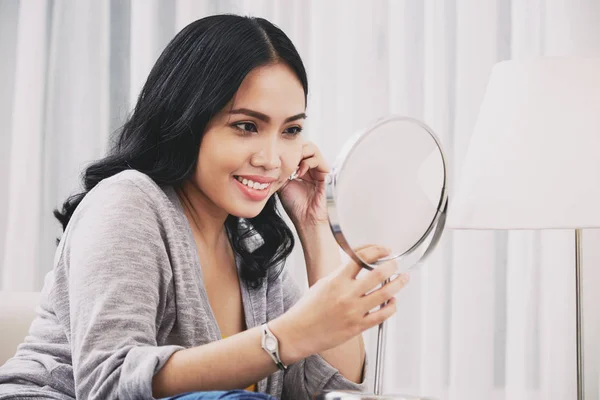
(252, 184)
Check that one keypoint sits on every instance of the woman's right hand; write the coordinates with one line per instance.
(337, 307)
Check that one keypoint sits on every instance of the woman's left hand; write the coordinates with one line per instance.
(304, 198)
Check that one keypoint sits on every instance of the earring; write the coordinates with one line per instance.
(294, 175)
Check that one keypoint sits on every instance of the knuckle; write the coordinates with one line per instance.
(393, 308)
(368, 253)
(356, 328)
(361, 249)
(391, 311)
(379, 274)
(337, 275)
(369, 321)
(391, 267)
(344, 269)
(339, 304)
(398, 284)
(388, 291)
(344, 302)
(362, 326)
(352, 324)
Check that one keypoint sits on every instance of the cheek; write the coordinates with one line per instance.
(217, 160)
(213, 170)
(291, 158)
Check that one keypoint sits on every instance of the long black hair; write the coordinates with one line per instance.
(195, 77)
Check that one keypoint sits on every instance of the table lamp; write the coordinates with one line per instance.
(533, 159)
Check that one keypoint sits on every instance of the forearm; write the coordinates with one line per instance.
(322, 256)
(220, 365)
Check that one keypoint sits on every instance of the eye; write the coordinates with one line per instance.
(293, 130)
(246, 127)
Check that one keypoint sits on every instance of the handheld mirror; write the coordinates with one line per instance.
(388, 187)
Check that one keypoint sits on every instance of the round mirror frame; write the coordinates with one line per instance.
(436, 226)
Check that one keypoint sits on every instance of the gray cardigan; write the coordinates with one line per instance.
(125, 293)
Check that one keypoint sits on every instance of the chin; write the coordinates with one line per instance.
(244, 208)
(248, 212)
(246, 215)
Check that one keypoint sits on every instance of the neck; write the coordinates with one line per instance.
(206, 220)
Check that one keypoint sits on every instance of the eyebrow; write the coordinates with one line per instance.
(264, 117)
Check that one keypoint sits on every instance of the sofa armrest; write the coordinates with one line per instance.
(17, 311)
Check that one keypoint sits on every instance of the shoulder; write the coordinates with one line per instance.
(130, 185)
(128, 205)
(129, 195)
(121, 217)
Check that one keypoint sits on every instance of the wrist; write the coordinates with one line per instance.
(319, 228)
(316, 240)
(291, 348)
(321, 251)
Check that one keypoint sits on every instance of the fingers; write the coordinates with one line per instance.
(385, 293)
(313, 161)
(380, 315)
(370, 254)
(360, 248)
(377, 276)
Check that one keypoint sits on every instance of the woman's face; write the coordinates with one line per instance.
(253, 145)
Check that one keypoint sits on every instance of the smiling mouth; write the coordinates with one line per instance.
(253, 185)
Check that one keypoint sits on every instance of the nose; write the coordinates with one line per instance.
(267, 156)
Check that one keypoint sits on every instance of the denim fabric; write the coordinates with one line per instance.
(222, 395)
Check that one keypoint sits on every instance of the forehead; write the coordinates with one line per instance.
(274, 90)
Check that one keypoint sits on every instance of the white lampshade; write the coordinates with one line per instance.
(534, 156)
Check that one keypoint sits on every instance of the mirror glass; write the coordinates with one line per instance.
(389, 188)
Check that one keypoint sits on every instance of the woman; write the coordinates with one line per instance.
(169, 279)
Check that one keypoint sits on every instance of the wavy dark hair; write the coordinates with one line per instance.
(195, 77)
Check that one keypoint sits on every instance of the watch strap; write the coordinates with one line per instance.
(270, 344)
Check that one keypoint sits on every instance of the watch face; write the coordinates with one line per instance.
(270, 343)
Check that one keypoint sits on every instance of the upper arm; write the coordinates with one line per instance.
(117, 270)
(116, 262)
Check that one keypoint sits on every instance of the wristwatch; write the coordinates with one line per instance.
(271, 345)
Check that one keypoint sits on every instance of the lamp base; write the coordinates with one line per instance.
(352, 395)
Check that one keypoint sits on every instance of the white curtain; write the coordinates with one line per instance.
(490, 316)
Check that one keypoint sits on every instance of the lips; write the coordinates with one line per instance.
(257, 178)
(255, 194)
(257, 185)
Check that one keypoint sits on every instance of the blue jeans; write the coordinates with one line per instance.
(222, 395)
